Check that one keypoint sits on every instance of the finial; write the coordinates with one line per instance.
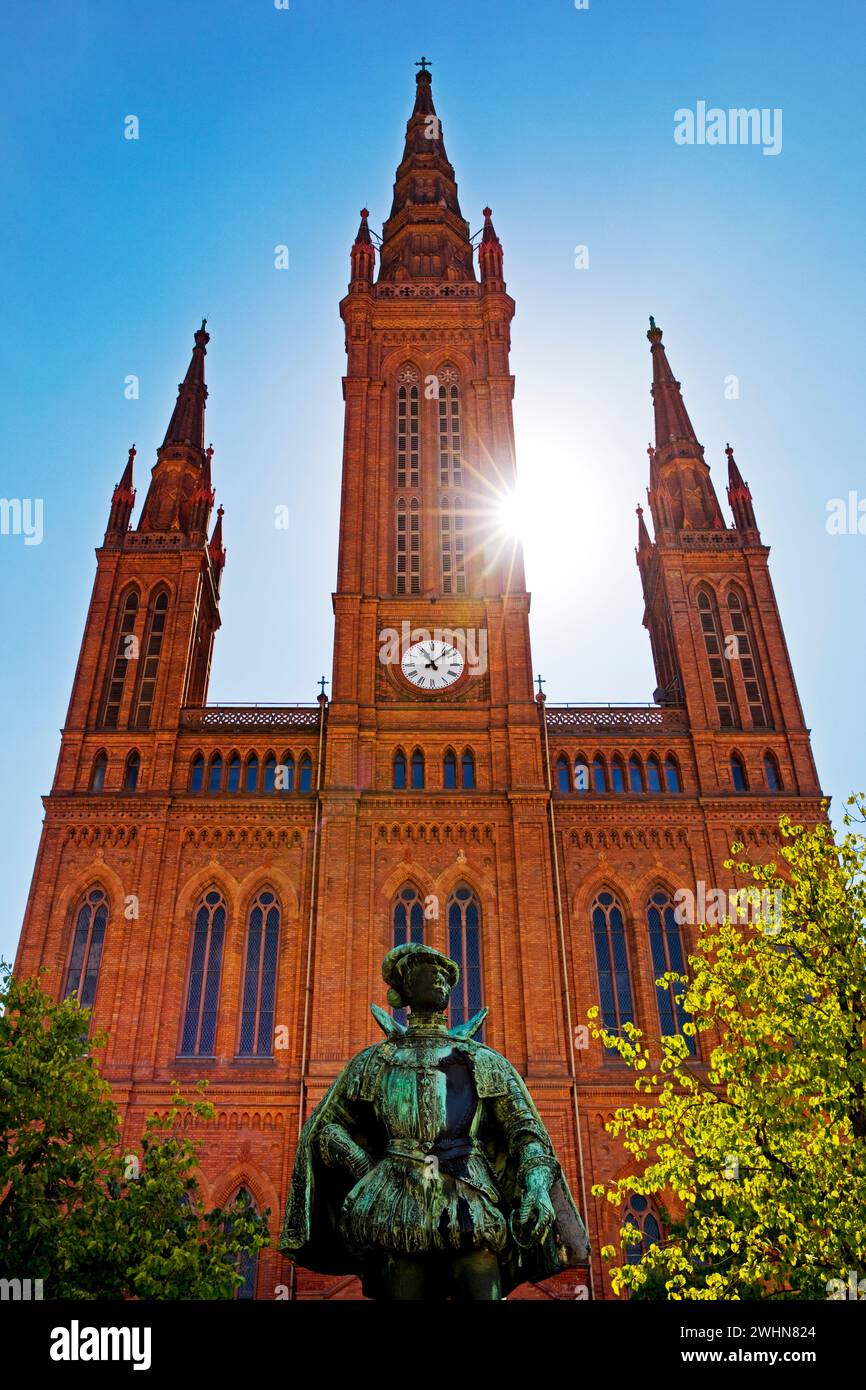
(729, 451)
(209, 452)
(423, 65)
(204, 323)
(132, 453)
(639, 510)
(651, 451)
(322, 684)
(654, 333)
(221, 511)
(365, 213)
(487, 213)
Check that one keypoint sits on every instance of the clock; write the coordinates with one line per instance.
(432, 665)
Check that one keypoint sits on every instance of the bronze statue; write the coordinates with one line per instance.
(426, 1168)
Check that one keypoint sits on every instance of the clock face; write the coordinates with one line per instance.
(432, 665)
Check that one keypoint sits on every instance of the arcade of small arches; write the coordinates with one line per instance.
(410, 771)
(613, 773)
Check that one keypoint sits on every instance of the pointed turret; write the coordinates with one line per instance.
(186, 425)
(490, 256)
(203, 498)
(363, 257)
(216, 550)
(122, 500)
(681, 493)
(426, 236)
(740, 497)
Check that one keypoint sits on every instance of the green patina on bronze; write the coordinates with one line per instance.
(426, 1168)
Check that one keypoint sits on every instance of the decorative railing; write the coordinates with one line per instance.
(219, 717)
(617, 719)
(467, 289)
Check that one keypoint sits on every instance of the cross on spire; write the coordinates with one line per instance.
(423, 65)
(323, 683)
(540, 683)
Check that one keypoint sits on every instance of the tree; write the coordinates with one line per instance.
(760, 1152)
(76, 1212)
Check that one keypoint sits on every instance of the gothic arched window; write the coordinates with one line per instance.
(131, 771)
(98, 770)
(599, 774)
(215, 773)
(617, 774)
(234, 774)
(398, 778)
(202, 995)
(196, 773)
(286, 773)
(417, 770)
(635, 774)
(771, 772)
(270, 773)
(639, 1214)
(563, 774)
(653, 774)
(450, 433)
(467, 769)
(305, 774)
(408, 404)
(150, 659)
(449, 770)
(251, 774)
(581, 774)
(611, 957)
(260, 976)
(82, 975)
(247, 1260)
(464, 946)
(741, 626)
(666, 949)
(673, 782)
(452, 546)
(723, 689)
(124, 651)
(408, 547)
(407, 920)
(738, 773)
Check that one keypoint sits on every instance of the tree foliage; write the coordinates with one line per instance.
(91, 1219)
(760, 1148)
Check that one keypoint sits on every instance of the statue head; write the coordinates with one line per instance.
(420, 977)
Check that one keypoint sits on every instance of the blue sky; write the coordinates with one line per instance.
(261, 126)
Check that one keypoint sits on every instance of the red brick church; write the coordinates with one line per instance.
(221, 883)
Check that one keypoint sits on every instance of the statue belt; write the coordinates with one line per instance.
(439, 1149)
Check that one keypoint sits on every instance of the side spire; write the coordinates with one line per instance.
(363, 256)
(739, 496)
(186, 425)
(122, 499)
(490, 256)
(216, 549)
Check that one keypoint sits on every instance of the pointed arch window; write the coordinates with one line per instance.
(741, 626)
(124, 651)
(723, 688)
(150, 661)
(666, 949)
(202, 995)
(408, 430)
(635, 774)
(653, 774)
(285, 780)
(196, 773)
(417, 770)
(617, 774)
(673, 782)
(131, 771)
(215, 773)
(260, 976)
(599, 774)
(611, 957)
(407, 925)
(98, 771)
(771, 772)
(640, 1215)
(581, 774)
(247, 1260)
(270, 773)
(398, 779)
(452, 546)
(233, 782)
(82, 975)
(467, 768)
(408, 547)
(563, 774)
(305, 774)
(251, 774)
(738, 773)
(449, 770)
(464, 946)
(450, 430)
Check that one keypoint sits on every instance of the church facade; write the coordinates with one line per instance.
(220, 884)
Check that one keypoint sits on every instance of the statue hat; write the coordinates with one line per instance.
(413, 953)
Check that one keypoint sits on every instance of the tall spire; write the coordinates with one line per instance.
(186, 425)
(739, 496)
(425, 236)
(681, 493)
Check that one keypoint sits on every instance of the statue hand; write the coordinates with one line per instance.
(535, 1218)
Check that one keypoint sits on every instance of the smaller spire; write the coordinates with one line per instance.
(123, 498)
(202, 500)
(363, 256)
(216, 550)
(739, 496)
(490, 255)
(643, 536)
